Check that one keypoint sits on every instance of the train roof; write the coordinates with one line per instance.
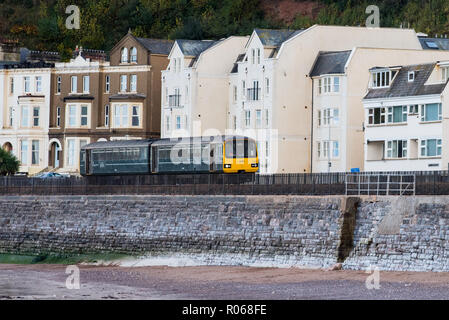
(158, 142)
(119, 144)
(173, 141)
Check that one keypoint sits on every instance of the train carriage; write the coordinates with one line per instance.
(211, 154)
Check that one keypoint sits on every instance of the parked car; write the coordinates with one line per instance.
(50, 175)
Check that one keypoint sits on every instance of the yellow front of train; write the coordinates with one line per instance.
(240, 155)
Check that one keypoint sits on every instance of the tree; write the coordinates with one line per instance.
(8, 163)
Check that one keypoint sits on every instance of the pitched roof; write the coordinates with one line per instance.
(157, 46)
(274, 37)
(330, 62)
(194, 48)
(434, 43)
(401, 87)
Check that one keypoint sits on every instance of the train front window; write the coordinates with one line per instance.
(240, 149)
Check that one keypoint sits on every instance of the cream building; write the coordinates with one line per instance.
(274, 70)
(25, 105)
(195, 86)
(340, 81)
(406, 115)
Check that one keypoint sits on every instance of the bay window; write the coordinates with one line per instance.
(35, 116)
(35, 152)
(24, 152)
(123, 113)
(77, 115)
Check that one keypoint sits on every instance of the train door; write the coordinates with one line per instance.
(153, 161)
(212, 158)
(88, 164)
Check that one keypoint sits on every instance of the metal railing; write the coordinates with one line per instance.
(174, 100)
(253, 94)
(380, 184)
(339, 183)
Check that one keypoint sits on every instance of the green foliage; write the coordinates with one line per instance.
(8, 163)
(41, 24)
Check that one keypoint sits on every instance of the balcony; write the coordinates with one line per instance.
(174, 101)
(253, 94)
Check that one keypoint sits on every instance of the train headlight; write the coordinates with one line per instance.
(254, 165)
(227, 166)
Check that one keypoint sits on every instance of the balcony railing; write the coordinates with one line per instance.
(174, 100)
(253, 94)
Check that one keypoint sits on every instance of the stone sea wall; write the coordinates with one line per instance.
(392, 233)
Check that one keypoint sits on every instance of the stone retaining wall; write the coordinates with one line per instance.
(392, 233)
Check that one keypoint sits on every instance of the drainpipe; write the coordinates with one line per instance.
(311, 134)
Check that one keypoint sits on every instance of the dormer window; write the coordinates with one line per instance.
(411, 76)
(133, 54)
(382, 79)
(124, 57)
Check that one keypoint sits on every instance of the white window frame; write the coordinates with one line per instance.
(391, 153)
(424, 109)
(123, 83)
(178, 124)
(107, 84)
(106, 115)
(258, 118)
(133, 83)
(371, 114)
(58, 84)
(58, 117)
(24, 152)
(74, 84)
(34, 117)
(86, 84)
(77, 115)
(390, 114)
(11, 117)
(38, 83)
(25, 116)
(133, 54)
(27, 84)
(35, 152)
(124, 55)
(247, 118)
(423, 146)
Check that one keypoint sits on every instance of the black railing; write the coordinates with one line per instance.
(174, 100)
(427, 183)
(253, 94)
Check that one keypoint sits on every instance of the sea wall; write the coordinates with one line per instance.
(392, 233)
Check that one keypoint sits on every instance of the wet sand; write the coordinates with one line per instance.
(207, 282)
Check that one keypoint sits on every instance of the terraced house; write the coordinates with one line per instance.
(94, 99)
(25, 102)
(406, 114)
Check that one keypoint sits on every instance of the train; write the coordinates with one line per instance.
(206, 154)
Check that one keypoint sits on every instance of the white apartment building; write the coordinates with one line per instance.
(24, 116)
(406, 110)
(195, 86)
(340, 81)
(271, 92)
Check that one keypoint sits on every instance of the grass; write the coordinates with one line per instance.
(59, 258)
